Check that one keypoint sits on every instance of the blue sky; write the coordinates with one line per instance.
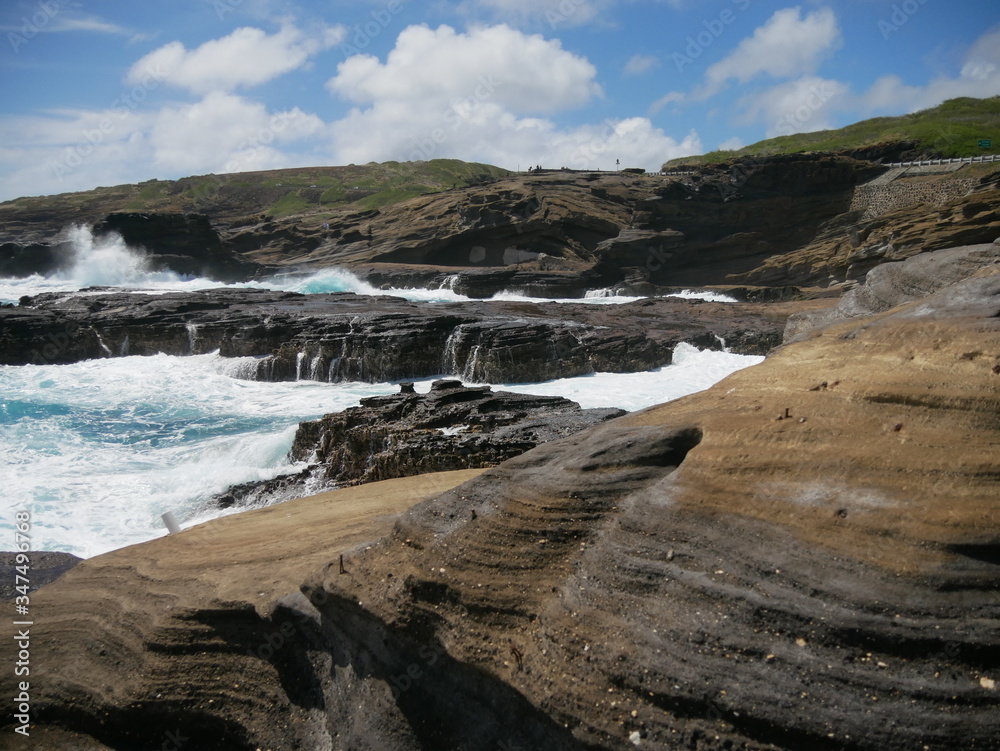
(103, 93)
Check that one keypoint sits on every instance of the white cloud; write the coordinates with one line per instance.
(804, 105)
(246, 57)
(225, 133)
(786, 45)
(478, 96)
(77, 150)
(488, 94)
(639, 64)
(435, 66)
(979, 77)
(732, 144)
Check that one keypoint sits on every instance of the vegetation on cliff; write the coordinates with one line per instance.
(952, 129)
(276, 193)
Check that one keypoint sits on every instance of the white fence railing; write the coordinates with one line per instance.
(956, 160)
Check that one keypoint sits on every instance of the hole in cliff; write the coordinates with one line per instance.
(988, 553)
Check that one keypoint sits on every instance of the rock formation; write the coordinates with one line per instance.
(343, 337)
(450, 427)
(803, 556)
(811, 220)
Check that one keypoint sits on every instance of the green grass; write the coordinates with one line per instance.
(392, 195)
(278, 193)
(288, 204)
(951, 129)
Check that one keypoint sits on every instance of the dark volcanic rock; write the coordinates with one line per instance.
(35, 258)
(184, 243)
(43, 567)
(344, 337)
(450, 427)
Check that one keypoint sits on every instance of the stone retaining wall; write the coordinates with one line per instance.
(875, 200)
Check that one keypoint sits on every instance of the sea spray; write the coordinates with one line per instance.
(107, 261)
(101, 449)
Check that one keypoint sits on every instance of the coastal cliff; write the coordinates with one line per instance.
(804, 219)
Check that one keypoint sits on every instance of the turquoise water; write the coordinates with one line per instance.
(97, 451)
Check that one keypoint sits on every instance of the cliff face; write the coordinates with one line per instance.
(804, 219)
(800, 557)
(917, 218)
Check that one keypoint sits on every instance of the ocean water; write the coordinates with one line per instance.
(107, 261)
(97, 451)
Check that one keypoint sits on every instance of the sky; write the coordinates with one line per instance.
(105, 92)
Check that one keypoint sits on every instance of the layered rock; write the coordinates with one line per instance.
(448, 428)
(900, 282)
(849, 247)
(799, 557)
(344, 337)
(774, 221)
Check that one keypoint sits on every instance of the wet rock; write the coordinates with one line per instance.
(280, 336)
(448, 428)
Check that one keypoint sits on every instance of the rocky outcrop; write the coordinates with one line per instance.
(796, 558)
(343, 337)
(450, 427)
(893, 284)
(808, 220)
(186, 244)
(848, 247)
(37, 567)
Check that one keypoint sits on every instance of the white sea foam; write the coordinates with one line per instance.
(106, 261)
(692, 370)
(99, 450)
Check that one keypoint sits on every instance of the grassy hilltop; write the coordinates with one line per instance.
(308, 190)
(952, 129)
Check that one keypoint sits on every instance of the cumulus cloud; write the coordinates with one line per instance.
(483, 95)
(247, 57)
(801, 106)
(76, 150)
(787, 45)
(225, 133)
(639, 64)
(529, 74)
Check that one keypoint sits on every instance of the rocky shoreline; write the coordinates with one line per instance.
(450, 427)
(795, 558)
(345, 337)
